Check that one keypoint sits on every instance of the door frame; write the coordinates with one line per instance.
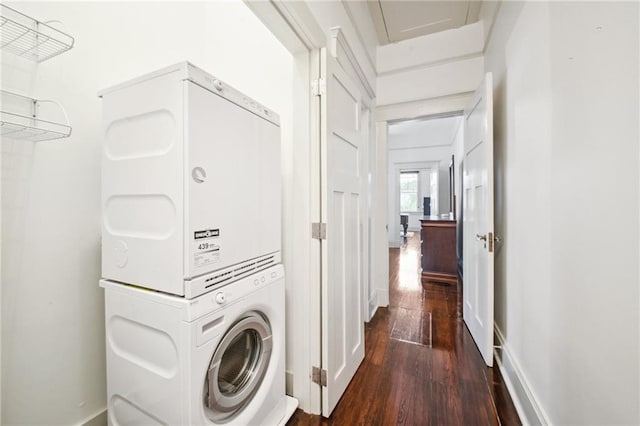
(385, 114)
(295, 27)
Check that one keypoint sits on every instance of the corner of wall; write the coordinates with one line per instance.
(289, 382)
(98, 419)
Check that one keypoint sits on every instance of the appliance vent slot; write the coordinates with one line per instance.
(243, 268)
(240, 271)
(266, 260)
(244, 273)
(212, 282)
(265, 264)
(216, 277)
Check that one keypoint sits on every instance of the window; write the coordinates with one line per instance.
(409, 192)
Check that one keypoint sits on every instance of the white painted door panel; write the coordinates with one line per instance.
(342, 319)
(478, 232)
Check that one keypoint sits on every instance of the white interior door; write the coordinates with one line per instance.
(342, 318)
(477, 216)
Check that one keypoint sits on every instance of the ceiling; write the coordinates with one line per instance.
(398, 20)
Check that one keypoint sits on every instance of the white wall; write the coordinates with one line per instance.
(566, 93)
(52, 315)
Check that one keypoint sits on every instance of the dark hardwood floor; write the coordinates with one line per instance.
(421, 366)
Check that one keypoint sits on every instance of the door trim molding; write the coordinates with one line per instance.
(441, 105)
(293, 24)
(341, 50)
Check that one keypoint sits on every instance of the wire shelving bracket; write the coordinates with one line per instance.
(29, 38)
(23, 123)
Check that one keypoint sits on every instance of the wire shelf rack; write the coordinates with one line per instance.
(29, 38)
(23, 123)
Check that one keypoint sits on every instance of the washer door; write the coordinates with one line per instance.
(237, 367)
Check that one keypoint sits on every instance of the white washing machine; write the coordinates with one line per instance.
(191, 182)
(212, 360)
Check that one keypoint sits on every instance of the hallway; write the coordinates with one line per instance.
(421, 366)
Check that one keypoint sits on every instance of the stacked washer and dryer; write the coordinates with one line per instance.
(191, 252)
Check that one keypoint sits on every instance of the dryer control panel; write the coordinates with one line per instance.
(232, 293)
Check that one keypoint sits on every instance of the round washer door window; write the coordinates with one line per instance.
(237, 367)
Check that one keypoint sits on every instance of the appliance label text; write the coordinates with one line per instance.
(207, 233)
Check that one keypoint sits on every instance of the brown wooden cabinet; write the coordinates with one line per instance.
(438, 243)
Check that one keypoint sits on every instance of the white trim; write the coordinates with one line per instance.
(338, 40)
(424, 107)
(373, 305)
(356, 27)
(273, 19)
(296, 28)
(364, 153)
(383, 297)
(402, 148)
(431, 64)
(314, 292)
(291, 22)
(524, 398)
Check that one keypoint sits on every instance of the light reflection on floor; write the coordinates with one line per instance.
(409, 263)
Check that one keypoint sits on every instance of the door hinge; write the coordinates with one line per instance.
(319, 376)
(490, 241)
(318, 87)
(319, 231)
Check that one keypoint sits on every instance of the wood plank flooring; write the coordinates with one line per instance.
(421, 366)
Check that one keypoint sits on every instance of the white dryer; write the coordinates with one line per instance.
(215, 359)
(191, 183)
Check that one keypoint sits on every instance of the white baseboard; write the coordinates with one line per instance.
(372, 305)
(98, 419)
(524, 398)
(383, 297)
